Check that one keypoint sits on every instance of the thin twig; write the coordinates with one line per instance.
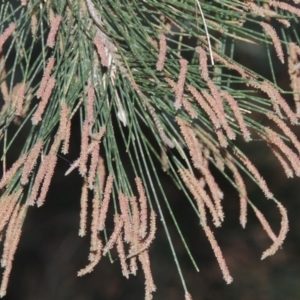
(206, 32)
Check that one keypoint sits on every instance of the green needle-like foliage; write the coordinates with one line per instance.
(155, 82)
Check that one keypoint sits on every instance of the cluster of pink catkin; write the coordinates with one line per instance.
(134, 230)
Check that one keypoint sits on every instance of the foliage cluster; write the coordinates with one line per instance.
(162, 75)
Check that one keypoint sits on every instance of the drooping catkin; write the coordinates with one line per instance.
(216, 96)
(294, 73)
(105, 201)
(122, 257)
(185, 102)
(149, 283)
(218, 253)
(203, 63)
(287, 131)
(238, 115)
(218, 161)
(118, 222)
(96, 140)
(252, 169)
(217, 106)
(12, 171)
(76, 163)
(171, 83)
(66, 139)
(31, 161)
(90, 104)
(295, 48)
(221, 138)
(93, 166)
(189, 108)
(285, 165)
(270, 31)
(124, 206)
(275, 96)
(275, 15)
(34, 24)
(133, 265)
(65, 127)
(38, 180)
(9, 235)
(6, 34)
(191, 142)
(19, 91)
(135, 225)
(196, 195)
(274, 139)
(212, 145)
(238, 179)
(95, 221)
(37, 116)
(48, 90)
(270, 91)
(84, 148)
(162, 52)
(101, 50)
(47, 179)
(257, 10)
(64, 115)
(198, 189)
(12, 239)
(143, 206)
(83, 208)
(180, 83)
(158, 126)
(5, 279)
(232, 66)
(7, 206)
(278, 147)
(14, 235)
(285, 6)
(265, 224)
(97, 136)
(282, 234)
(265, 12)
(101, 173)
(55, 23)
(215, 191)
(147, 242)
(46, 76)
(187, 296)
(3, 83)
(204, 105)
(144, 245)
(96, 258)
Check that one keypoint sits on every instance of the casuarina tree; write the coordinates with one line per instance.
(153, 84)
